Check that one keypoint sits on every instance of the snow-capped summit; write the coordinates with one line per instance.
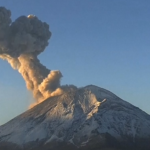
(85, 118)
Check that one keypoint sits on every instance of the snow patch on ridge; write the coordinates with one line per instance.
(75, 117)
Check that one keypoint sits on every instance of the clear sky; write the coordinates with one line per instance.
(100, 42)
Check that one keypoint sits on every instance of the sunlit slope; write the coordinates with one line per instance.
(84, 118)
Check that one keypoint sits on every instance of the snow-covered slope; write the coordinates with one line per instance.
(79, 118)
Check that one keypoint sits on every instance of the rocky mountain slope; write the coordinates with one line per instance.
(89, 118)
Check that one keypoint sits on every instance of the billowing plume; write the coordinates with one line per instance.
(21, 42)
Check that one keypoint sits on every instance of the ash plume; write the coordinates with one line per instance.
(21, 42)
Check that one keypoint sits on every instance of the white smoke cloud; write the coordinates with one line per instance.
(21, 42)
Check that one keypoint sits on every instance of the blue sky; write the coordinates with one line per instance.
(100, 42)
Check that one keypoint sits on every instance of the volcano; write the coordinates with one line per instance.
(88, 118)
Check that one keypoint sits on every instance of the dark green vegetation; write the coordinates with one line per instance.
(80, 119)
(95, 144)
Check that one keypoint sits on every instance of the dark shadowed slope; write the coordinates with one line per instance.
(88, 118)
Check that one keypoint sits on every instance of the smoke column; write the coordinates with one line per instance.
(21, 42)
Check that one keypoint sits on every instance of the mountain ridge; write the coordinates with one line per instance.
(84, 118)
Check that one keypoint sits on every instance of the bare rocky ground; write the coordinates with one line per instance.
(89, 118)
